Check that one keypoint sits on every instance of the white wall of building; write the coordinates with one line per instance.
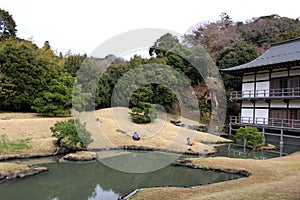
(278, 104)
(247, 115)
(248, 89)
(295, 71)
(261, 104)
(247, 104)
(294, 104)
(261, 116)
(262, 77)
(279, 74)
(262, 89)
(248, 78)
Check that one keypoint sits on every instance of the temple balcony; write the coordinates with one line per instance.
(268, 123)
(270, 94)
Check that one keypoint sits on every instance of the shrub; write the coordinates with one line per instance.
(144, 113)
(250, 136)
(71, 134)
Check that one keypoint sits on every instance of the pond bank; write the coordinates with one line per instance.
(277, 178)
(10, 171)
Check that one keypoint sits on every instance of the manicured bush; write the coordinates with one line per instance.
(250, 136)
(144, 113)
(71, 134)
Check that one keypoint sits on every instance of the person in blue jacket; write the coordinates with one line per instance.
(136, 136)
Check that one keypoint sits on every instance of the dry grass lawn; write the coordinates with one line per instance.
(277, 178)
(12, 167)
(16, 126)
(115, 129)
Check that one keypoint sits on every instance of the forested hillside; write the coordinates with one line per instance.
(41, 80)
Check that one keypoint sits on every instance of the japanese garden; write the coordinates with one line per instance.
(181, 123)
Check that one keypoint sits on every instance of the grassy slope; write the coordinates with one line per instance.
(159, 134)
(277, 178)
(12, 167)
(16, 126)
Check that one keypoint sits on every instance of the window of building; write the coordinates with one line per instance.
(285, 113)
(278, 113)
(288, 86)
(285, 117)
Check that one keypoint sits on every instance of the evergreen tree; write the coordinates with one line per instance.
(25, 73)
(234, 55)
(7, 25)
(57, 98)
(71, 134)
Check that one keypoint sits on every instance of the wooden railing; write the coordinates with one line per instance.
(283, 93)
(268, 123)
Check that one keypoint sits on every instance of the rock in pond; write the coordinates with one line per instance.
(268, 147)
(81, 156)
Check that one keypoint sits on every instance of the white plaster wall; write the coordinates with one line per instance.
(261, 116)
(278, 104)
(247, 115)
(295, 67)
(248, 89)
(247, 104)
(260, 77)
(295, 72)
(261, 104)
(248, 78)
(294, 104)
(279, 74)
(264, 71)
(262, 89)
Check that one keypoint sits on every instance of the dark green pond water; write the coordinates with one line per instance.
(90, 181)
(237, 151)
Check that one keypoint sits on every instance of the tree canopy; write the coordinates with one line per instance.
(37, 79)
(7, 25)
(25, 73)
(259, 32)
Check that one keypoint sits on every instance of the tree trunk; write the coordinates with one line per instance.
(245, 142)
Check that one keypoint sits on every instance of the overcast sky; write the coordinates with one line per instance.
(83, 25)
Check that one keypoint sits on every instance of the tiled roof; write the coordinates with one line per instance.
(279, 53)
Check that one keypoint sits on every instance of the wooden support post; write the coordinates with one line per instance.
(281, 137)
(263, 134)
(281, 150)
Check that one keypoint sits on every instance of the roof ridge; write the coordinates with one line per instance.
(285, 42)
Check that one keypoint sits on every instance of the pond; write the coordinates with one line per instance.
(237, 151)
(91, 181)
(97, 181)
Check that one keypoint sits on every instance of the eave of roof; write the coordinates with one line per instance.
(283, 54)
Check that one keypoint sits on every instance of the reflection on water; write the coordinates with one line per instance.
(237, 151)
(95, 181)
(99, 193)
(137, 161)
